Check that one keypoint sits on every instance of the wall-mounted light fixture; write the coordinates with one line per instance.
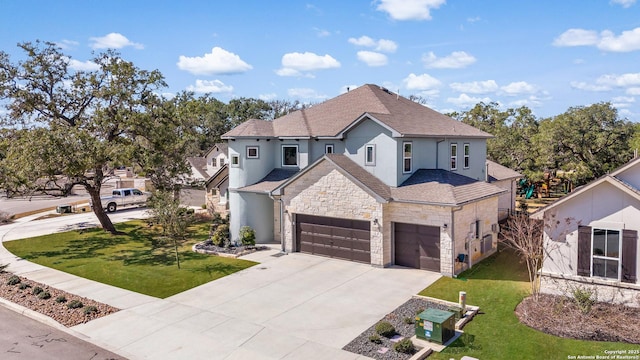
(375, 222)
(444, 226)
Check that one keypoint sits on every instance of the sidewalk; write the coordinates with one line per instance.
(296, 306)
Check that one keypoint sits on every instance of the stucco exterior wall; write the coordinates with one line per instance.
(422, 215)
(251, 209)
(386, 159)
(506, 201)
(324, 191)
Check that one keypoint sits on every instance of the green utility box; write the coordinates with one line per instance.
(63, 209)
(435, 325)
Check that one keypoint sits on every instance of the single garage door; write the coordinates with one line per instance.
(417, 246)
(337, 238)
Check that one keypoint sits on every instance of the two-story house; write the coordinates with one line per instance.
(367, 176)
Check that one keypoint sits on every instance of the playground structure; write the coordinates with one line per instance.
(553, 184)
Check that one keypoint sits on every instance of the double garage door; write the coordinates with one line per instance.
(417, 246)
(336, 238)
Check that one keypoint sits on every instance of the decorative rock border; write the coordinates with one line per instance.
(245, 251)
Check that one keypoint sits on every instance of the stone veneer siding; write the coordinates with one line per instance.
(603, 290)
(325, 191)
(464, 230)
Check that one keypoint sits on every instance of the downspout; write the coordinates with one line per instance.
(281, 202)
(437, 151)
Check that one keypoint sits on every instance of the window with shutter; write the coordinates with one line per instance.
(584, 251)
(629, 254)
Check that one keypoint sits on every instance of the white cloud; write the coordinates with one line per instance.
(531, 101)
(83, 66)
(581, 85)
(465, 100)
(624, 80)
(383, 45)
(606, 41)
(625, 99)
(67, 44)
(294, 64)
(475, 87)
(519, 87)
(633, 91)
(455, 60)
(421, 82)
(372, 58)
(305, 93)
(321, 32)
(268, 97)
(576, 37)
(473, 19)
(347, 88)
(113, 41)
(624, 3)
(210, 86)
(409, 9)
(218, 61)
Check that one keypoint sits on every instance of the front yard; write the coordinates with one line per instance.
(138, 261)
(497, 286)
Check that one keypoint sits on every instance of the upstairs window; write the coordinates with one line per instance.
(253, 152)
(235, 160)
(328, 149)
(407, 153)
(290, 155)
(466, 156)
(213, 162)
(454, 156)
(370, 154)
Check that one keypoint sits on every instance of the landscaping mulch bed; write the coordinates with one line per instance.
(406, 328)
(560, 316)
(207, 247)
(58, 311)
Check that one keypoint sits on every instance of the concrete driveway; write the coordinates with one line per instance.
(295, 306)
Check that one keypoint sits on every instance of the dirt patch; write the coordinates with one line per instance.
(560, 316)
(52, 307)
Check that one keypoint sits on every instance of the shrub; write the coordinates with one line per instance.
(44, 295)
(23, 286)
(221, 236)
(90, 309)
(385, 329)
(375, 338)
(37, 290)
(583, 298)
(5, 218)
(404, 346)
(61, 299)
(408, 320)
(75, 304)
(247, 236)
(14, 280)
(3, 267)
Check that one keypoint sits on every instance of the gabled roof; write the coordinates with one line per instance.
(219, 177)
(442, 187)
(200, 165)
(498, 172)
(337, 115)
(270, 182)
(222, 147)
(609, 178)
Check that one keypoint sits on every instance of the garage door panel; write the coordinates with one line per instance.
(417, 246)
(333, 237)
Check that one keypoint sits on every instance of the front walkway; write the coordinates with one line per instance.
(295, 306)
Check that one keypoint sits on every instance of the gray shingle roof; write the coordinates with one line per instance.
(498, 172)
(332, 117)
(273, 179)
(200, 165)
(443, 187)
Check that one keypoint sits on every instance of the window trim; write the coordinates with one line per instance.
(235, 163)
(372, 161)
(410, 157)
(607, 258)
(297, 156)
(214, 162)
(253, 147)
(466, 155)
(453, 158)
(327, 147)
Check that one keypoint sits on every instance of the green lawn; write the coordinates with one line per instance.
(497, 285)
(137, 261)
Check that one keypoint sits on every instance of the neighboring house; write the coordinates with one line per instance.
(198, 170)
(217, 187)
(203, 167)
(591, 238)
(367, 176)
(504, 178)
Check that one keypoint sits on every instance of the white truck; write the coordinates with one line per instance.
(122, 198)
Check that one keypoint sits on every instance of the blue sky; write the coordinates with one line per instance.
(548, 55)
